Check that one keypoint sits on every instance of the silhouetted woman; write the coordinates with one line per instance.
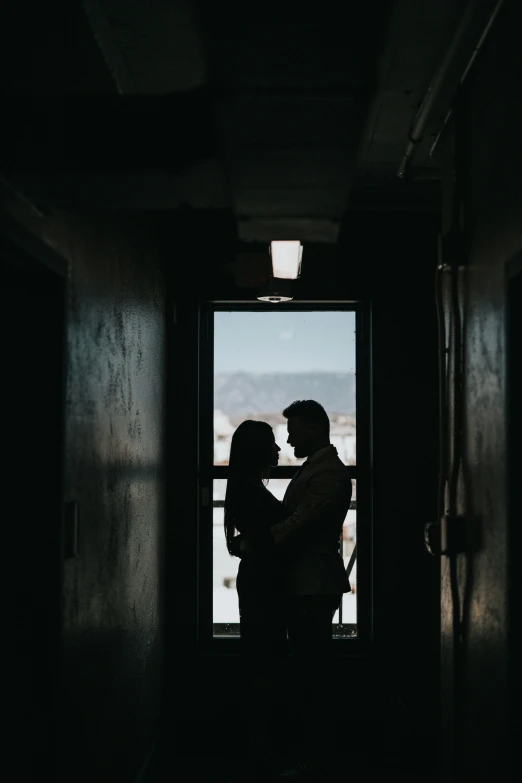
(250, 509)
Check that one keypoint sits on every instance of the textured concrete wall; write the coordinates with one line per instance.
(114, 431)
(114, 437)
(477, 592)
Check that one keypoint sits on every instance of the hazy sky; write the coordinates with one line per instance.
(284, 342)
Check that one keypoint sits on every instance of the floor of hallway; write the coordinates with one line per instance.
(377, 753)
(219, 769)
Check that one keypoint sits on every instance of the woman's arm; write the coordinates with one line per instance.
(261, 511)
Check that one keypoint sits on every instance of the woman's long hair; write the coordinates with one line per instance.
(251, 453)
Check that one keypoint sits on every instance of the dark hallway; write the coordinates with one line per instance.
(150, 153)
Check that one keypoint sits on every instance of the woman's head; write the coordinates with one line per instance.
(253, 449)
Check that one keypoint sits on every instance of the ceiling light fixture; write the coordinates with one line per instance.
(286, 256)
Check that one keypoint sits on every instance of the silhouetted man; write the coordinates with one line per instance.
(317, 499)
(308, 540)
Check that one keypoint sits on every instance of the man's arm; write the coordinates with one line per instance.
(322, 493)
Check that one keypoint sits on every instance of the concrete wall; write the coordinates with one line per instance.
(112, 590)
(475, 594)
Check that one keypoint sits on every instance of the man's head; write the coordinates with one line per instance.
(308, 427)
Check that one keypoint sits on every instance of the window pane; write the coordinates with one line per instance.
(225, 606)
(224, 566)
(263, 361)
(349, 601)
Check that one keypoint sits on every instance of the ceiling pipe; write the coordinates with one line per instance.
(473, 57)
(440, 77)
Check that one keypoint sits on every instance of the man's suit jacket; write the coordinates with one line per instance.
(317, 500)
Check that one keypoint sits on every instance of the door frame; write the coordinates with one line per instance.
(207, 642)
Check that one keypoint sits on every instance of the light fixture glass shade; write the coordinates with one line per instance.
(286, 259)
(275, 298)
(277, 291)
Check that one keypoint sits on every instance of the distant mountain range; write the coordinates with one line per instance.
(251, 393)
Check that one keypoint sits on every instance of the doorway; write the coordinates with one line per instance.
(33, 349)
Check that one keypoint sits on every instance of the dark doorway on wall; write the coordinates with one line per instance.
(32, 325)
(514, 438)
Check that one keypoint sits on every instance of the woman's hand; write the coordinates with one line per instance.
(235, 546)
(245, 547)
(241, 547)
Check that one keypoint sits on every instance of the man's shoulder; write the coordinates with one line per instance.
(333, 466)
